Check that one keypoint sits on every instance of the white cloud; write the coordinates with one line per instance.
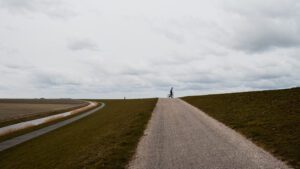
(53, 8)
(141, 49)
(82, 44)
(258, 26)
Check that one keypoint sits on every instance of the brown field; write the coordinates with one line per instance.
(18, 110)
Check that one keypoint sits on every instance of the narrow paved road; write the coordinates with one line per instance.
(179, 136)
(28, 136)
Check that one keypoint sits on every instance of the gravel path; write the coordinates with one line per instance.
(20, 139)
(179, 136)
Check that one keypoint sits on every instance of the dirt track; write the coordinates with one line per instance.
(179, 136)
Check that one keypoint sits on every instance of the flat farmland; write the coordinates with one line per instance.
(18, 110)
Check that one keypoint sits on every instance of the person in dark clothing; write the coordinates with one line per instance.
(171, 93)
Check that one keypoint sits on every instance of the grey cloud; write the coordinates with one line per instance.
(269, 8)
(262, 26)
(82, 44)
(37, 76)
(50, 80)
(18, 5)
(52, 8)
(268, 35)
(265, 76)
(8, 51)
(250, 26)
(13, 68)
(3, 87)
(204, 48)
(135, 71)
(264, 84)
(184, 29)
(171, 35)
(255, 77)
(204, 79)
(18, 67)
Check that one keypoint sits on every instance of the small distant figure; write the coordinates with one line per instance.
(171, 95)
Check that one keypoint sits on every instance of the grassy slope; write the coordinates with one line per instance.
(106, 139)
(269, 118)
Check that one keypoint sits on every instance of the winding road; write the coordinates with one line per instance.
(28, 136)
(180, 136)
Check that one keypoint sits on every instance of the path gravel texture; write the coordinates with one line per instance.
(28, 136)
(180, 136)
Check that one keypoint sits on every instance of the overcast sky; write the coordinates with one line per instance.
(137, 48)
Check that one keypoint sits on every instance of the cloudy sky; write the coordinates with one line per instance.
(137, 48)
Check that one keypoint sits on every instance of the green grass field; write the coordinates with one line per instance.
(270, 118)
(106, 139)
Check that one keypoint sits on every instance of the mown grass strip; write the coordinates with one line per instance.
(269, 118)
(107, 139)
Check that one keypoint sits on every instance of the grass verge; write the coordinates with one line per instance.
(106, 139)
(269, 118)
